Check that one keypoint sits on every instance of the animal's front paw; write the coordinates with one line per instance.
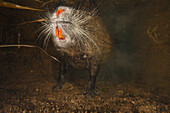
(91, 93)
(58, 85)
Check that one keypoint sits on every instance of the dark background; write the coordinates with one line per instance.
(135, 78)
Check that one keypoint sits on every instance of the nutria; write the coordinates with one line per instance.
(80, 39)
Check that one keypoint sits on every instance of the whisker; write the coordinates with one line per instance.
(43, 32)
(47, 40)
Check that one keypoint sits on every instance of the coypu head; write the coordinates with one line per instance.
(59, 21)
(69, 29)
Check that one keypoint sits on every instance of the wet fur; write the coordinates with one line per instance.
(87, 42)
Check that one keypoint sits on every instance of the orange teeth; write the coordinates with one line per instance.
(59, 33)
(59, 11)
(58, 30)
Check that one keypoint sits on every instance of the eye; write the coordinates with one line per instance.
(59, 33)
(58, 12)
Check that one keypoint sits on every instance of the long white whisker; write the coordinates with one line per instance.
(87, 35)
(47, 38)
(43, 32)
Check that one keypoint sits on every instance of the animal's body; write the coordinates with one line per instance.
(80, 39)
